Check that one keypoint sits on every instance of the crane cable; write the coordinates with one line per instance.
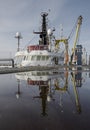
(72, 31)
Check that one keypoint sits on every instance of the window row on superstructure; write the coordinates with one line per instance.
(37, 57)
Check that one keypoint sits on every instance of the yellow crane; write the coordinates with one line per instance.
(65, 41)
(79, 22)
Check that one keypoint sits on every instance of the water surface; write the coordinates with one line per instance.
(45, 101)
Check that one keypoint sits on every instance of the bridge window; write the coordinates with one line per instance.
(33, 57)
(43, 57)
(47, 57)
(38, 57)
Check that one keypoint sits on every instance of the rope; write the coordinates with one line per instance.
(72, 31)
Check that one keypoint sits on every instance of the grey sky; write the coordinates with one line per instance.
(24, 16)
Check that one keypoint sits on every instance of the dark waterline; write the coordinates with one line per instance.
(45, 101)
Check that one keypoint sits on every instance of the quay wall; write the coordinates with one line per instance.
(6, 70)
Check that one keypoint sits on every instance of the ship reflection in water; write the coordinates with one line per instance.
(50, 84)
(45, 100)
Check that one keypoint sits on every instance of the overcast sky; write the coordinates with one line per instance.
(24, 16)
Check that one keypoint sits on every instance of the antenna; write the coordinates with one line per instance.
(18, 36)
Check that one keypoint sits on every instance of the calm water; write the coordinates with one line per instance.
(45, 101)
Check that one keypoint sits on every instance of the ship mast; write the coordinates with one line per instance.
(43, 33)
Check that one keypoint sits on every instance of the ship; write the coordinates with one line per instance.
(45, 53)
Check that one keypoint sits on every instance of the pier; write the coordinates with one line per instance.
(7, 70)
(57, 68)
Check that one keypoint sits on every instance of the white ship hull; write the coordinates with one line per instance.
(38, 58)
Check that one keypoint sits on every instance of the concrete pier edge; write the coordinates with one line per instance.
(45, 68)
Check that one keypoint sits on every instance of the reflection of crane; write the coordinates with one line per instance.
(65, 89)
(62, 89)
(79, 22)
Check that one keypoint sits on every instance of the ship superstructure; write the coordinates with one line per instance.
(43, 54)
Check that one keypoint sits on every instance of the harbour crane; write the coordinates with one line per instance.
(65, 41)
(73, 56)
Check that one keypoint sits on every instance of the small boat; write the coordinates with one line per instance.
(46, 53)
